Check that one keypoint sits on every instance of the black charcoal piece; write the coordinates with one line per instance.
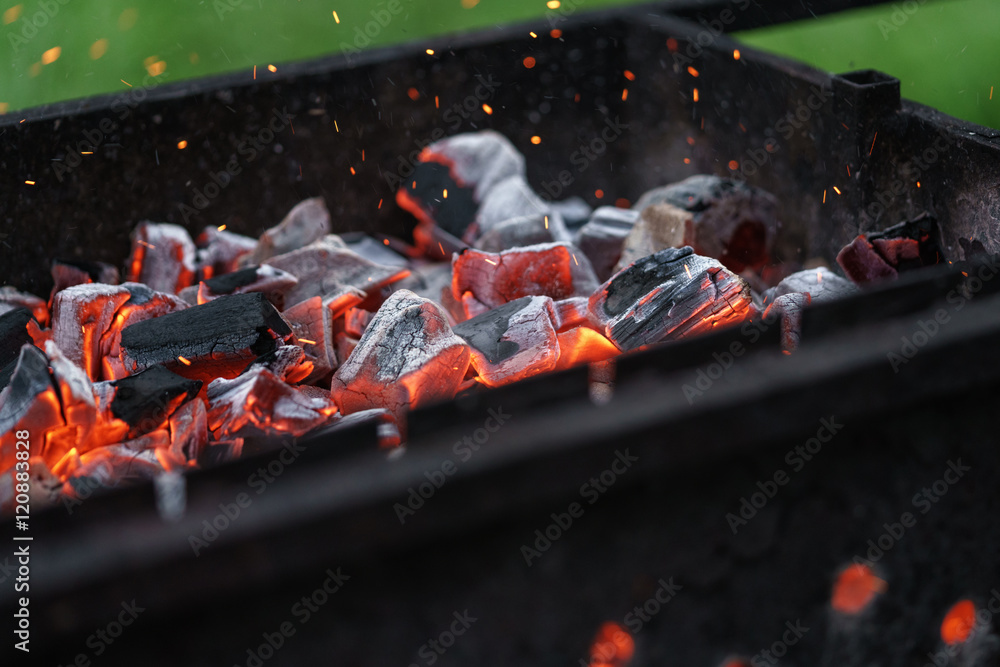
(601, 238)
(228, 282)
(31, 377)
(485, 332)
(668, 295)
(523, 231)
(821, 284)
(150, 397)
(422, 194)
(923, 230)
(735, 223)
(13, 335)
(238, 326)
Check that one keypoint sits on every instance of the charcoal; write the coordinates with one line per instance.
(272, 282)
(188, 435)
(863, 264)
(112, 466)
(28, 402)
(69, 272)
(574, 211)
(821, 284)
(789, 308)
(81, 316)
(427, 279)
(522, 231)
(373, 250)
(512, 198)
(308, 221)
(11, 299)
(286, 362)
(79, 407)
(735, 223)
(13, 336)
(312, 323)
(668, 295)
(143, 304)
(556, 270)
(258, 402)
(882, 255)
(602, 237)
(386, 430)
(582, 345)
(216, 339)
(408, 357)
(162, 257)
(660, 226)
(220, 251)
(513, 341)
(327, 266)
(356, 321)
(146, 400)
(467, 166)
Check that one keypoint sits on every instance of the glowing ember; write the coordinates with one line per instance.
(958, 623)
(855, 588)
(613, 646)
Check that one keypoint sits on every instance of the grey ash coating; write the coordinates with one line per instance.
(228, 326)
(30, 379)
(405, 335)
(484, 331)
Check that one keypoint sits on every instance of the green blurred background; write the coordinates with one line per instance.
(945, 52)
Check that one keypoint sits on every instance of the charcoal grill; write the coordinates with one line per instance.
(335, 505)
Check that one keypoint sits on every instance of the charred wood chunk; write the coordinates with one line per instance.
(602, 237)
(734, 222)
(258, 402)
(910, 244)
(313, 327)
(308, 221)
(380, 252)
(79, 408)
(789, 308)
(145, 401)
(143, 304)
(268, 280)
(386, 429)
(572, 313)
(408, 357)
(287, 362)
(513, 198)
(427, 279)
(188, 436)
(220, 251)
(216, 339)
(356, 321)
(11, 299)
(863, 264)
(669, 295)
(523, 231)
(162, 257)
(327, 267)
(29, 402)
(82, 315)
(467, 166)
(13, 336)
(69, 272)
(821, 284)
(513, 341)
(660, 226)
(556, 270)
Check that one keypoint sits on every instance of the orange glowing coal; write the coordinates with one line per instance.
(958, 622)
(855, 588)
(612, 647)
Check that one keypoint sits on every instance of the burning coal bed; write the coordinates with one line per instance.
(208, 344)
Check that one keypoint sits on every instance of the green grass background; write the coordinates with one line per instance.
(946, 53)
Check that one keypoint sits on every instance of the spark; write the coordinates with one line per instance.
(86, 152)
(536, 140)
(873, 144)
(734, 165)
(488, 109)
(29, 182)
(307, 341)
(599, 193)
(687, 160)
(335, 17)
(629, 75)
(147, 244)
(528, 62)
(182, 144)
(125, 82)
(430, 52)
(437, 102)
(184, 361)
(991, 92)
(489, 261)
(555, 33)
(254, 72)
(414, 94)
(51, 55)
(819, 276)
(918, 184)
(441, 247)
(379, 208)
(533, 35)
(272, 68)
(848, 171)
(695, 94)
(446, 193)
(736, 54)
(688, 271)
(575, 259)
(553, 4)
(624, 94)
(546, 222)
(221, 228)
(385, 241)
(836, 189)
(824, 196)
(693, 72)
(352, 171)
(335, 125)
